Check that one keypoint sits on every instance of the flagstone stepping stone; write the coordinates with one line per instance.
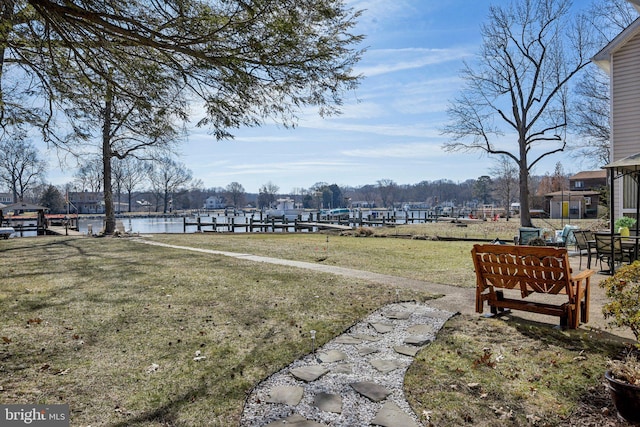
(385, 366)
(407, 350)
(370, 390)
(398, 314)
(382, 328)
(328, 402)
(332, 356)
(295, 420)
(308, 373)
(439, 315)
(289, 395)
(363, 351)
(418, 340)
(367, 337)
(347, 339)
(408, 305)
(343, 368)
(420, 330)
(391, 415)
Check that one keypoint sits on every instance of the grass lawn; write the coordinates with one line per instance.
(131, 334)
(113, 327)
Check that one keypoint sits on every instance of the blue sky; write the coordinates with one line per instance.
(391, 124)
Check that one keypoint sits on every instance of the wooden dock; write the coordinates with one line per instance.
(312, 222)
(63, 231)
(264, 225)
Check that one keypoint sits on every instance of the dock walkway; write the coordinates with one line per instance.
(62, 231)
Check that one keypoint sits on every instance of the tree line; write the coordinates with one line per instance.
(171, 188)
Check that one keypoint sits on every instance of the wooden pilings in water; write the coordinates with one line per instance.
(314, 221)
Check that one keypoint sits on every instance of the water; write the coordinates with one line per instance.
(146, 225)
(175, 224)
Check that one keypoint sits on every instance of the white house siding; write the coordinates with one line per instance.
(625, 113)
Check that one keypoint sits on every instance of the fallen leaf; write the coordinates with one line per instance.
(6, 340)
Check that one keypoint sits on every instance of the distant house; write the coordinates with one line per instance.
(214, 202)
(621, 60)
(588, 181)
(581, 200)
(573, 204)
(6, 198)
(87, 202)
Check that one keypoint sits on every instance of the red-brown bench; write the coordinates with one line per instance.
(525, 270)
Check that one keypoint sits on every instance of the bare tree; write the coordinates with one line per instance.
(21, 167)
(167, 176)
(515, 98)
(128, 174)
(267, 194)
(235, 192)
(88, 177)
(505, 182)
(387, 190)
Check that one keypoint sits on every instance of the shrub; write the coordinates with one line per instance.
(623, 290)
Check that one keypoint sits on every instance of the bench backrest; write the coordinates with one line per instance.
(530, 269)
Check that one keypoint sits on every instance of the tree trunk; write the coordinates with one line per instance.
(525, 215)
(109, 212)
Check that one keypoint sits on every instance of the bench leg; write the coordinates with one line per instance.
(500, 297)
(564, 322)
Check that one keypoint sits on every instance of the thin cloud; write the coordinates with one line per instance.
(417, 150)
(398, 60)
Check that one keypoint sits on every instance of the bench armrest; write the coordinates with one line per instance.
(582, 275)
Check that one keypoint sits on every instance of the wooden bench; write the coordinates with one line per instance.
(526, 270)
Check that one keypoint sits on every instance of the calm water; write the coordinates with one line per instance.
(174, 224)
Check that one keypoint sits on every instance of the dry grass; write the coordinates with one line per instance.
(487, 372)
(434, 261)
(112, 327)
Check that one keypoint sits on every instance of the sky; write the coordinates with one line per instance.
(391, 124)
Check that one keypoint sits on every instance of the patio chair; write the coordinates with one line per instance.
(606, 246)
(527, 233)
(582, 238)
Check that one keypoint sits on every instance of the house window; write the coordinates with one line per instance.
(629, 193)
(578, 184)
(587, 201)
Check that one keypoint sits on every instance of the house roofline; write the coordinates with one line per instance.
(603, 58)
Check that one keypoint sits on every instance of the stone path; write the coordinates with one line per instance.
(355, 379)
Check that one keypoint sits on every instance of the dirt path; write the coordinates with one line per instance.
(454, 299)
